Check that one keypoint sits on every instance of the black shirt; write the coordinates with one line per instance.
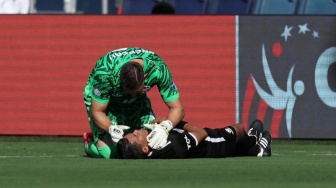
(181, 144)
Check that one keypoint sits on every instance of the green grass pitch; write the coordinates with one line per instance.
(43, 162)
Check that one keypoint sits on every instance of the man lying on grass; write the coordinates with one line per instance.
(189, 141)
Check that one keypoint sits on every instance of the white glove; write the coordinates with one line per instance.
(157, 139)
(117, 132)
(168, 125)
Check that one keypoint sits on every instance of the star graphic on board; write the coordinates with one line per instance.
(315, 34)
(304, 28)
(286, 32)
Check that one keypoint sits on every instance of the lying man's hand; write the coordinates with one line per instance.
(117, 132)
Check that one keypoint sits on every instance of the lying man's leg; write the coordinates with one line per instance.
(254, 143)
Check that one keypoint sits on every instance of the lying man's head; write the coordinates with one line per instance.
(133, 145)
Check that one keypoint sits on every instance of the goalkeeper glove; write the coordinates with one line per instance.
(168, 125)
(157, 139)
(117, 132)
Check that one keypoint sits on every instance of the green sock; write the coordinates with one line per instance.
(93, 150)
(106, 152)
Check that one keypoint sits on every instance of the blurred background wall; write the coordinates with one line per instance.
(234, 63)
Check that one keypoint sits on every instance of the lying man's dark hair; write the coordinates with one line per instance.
(127, 150)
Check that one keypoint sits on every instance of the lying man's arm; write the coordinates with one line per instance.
(198, 132)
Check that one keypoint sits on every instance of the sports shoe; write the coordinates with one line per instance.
(265, 145)
(87, 137)
(256, 129)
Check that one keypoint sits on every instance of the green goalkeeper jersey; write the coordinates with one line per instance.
(105, 82)
(104, 87)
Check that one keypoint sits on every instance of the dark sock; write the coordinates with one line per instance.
(249, 141)
(247, 151)
(253, 151)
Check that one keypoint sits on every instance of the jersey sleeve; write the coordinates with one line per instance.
(101, 79)
(167, 88)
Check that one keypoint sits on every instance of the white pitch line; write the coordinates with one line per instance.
(311, 153)
(324, 154)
